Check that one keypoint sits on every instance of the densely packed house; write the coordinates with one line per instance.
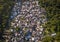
(27, 25)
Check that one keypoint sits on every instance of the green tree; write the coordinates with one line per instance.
(53, 16)
(47, 39)
(5, 9)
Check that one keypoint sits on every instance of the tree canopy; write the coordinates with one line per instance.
(5, 9)
(53, 16)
